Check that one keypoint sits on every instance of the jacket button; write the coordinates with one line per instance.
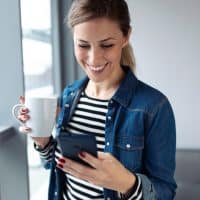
(66, 105)
(107, 143)
(109, 117)
(128, 146)
(55, 193)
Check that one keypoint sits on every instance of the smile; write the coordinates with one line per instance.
(98, 68)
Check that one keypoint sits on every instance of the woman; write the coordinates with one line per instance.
(133, 123)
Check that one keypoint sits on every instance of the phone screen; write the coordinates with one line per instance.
(72, 144)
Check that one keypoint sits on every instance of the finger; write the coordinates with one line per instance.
(23, 118)
(103, 155)
(88, 158)
(23, 110)
(106, 158)
(22, 99)
(74, 173)
(81, 174)
(57, 110)
(73, 165)
(24, 129)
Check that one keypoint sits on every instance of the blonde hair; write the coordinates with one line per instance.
(116, 10)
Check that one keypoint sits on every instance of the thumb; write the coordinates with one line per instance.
(22, 99)
(103, 155)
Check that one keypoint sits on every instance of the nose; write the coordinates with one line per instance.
(95, 56)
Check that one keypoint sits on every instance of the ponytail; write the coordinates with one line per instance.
(128, 58)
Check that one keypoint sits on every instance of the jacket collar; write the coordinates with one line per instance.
(126, 89)
(123, 94)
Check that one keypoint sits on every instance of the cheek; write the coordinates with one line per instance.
(114, 55)
(79, 54)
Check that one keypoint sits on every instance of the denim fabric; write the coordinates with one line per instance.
(139, 132)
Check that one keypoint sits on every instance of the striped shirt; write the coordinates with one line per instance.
(89, 117)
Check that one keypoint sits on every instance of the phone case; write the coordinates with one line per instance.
(72, 144)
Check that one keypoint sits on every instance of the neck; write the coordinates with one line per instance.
(106, 89)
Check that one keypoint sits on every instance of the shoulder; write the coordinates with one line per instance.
(148, 97)
(72, 88)
(139, 95)
(75, 86)
(144, 90)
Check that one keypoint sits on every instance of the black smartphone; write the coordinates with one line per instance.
(72, 144)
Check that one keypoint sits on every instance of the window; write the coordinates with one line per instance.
(38, 75)
(37, 46)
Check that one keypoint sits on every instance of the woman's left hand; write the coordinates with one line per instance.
(107, 171)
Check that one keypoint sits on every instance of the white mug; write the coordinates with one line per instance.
(42, 111)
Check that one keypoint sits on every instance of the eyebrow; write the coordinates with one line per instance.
(104, 40)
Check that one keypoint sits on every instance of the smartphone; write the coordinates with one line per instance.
(72, 144)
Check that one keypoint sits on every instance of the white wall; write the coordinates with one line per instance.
(166, 41)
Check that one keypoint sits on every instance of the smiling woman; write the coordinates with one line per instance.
(98, 48)
(132, 122)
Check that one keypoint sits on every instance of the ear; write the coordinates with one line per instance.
(126, 38)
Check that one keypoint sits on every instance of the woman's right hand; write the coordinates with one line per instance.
(24, 117)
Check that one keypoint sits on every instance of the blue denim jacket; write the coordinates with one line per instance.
(139, 132)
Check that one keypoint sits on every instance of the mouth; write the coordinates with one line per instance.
(98, 68)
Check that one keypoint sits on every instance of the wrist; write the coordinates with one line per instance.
(129, 184)
(42, 143)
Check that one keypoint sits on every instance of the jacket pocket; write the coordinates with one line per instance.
(129, 150)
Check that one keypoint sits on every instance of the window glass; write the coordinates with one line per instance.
(37, 47)
(38, 76)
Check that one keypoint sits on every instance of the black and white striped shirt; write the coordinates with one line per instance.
(89, 117)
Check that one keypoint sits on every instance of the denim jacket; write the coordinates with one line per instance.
(139, 132)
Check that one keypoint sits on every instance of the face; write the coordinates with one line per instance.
(98, 46)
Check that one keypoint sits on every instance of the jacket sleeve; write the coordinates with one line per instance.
(159, 154)
(47, 153)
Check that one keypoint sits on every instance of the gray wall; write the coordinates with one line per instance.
(166, 42)
(11, 75)
(13, 157)
(13, 166)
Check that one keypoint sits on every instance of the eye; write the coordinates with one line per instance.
(84, 46)
(106, 46)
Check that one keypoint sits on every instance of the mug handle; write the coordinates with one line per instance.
(15, 111)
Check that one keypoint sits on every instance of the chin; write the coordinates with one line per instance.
(95, 79)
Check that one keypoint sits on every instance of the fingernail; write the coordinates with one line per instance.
(27, 117)
(60, 166)
(26, 110)
(61, 160)
(82, 154)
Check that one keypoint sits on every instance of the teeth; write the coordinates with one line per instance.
(99, 68)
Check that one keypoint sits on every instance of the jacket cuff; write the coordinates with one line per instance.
(148, 189)
(134, 192)
(41, 150)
